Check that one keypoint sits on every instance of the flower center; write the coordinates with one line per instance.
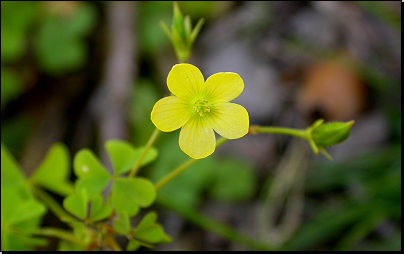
(201, 106)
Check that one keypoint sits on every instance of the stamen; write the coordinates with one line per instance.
(201, 106)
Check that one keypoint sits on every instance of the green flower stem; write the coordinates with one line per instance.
(174, 173)
(53, 205)
(149, 143)
(255, 129)
(181, 168)
(61, 234)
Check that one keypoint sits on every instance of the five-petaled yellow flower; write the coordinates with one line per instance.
(200, 107)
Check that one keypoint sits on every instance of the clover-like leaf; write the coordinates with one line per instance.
(99, 210)
(122, 224)
(133, 245)
(150, 231)
(128, 194)
(17, 206)
(26, 211)
(76, 204)
(93, 177)
(10, 170)
(124, 156)
(54, 171)
(20, 212)
(20, 216)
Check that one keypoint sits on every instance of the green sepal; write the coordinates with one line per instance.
(328, 134)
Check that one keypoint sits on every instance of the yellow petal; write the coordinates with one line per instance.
(229, 120)
(185, 81)
(197, 138)
(170, 113)
(224, 86)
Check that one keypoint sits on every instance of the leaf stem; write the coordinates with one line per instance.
(255, 129)
(181, 168)
(53, 205)
(61, 234)
(149, 143)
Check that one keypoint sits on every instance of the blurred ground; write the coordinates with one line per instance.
(84, 72)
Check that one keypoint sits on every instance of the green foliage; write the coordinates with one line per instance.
(59, 43)
(142, 102)
(76, 203)
(92, 176)
(21, 213)
(227, 180)
(11, 175)
(365, 191)
(122, 223)
(16, 19)
(11, 85)
(99, 210)
(124, 156)
(148, 232)
(371, 185)
(152, 38)
(328, 134)
(54, 171)
(182, 36)
(127, 195)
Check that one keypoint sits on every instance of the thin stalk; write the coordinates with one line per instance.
(149, 143)
(53, 205)
(174, 173)
(255, 129)
(181, 168)
(61, 234)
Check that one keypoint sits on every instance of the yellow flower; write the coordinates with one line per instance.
(200, 107)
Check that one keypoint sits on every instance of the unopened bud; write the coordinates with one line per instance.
(328, 134)
(178, 22)
(182, 36)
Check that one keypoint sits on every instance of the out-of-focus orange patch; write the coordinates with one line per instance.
(332, 90)
(62, 8)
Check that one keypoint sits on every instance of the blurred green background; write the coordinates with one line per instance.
(85, 72)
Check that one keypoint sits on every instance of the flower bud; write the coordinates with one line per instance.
(328, 134)
(181, 35)
(178, 23)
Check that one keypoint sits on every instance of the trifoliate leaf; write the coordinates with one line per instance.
(93, 177)
(122, 224)
(99, 210)
(76, 204)
(128, 194)
(150, 231)
(10, 170)
(124, 156)
(54, 171)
